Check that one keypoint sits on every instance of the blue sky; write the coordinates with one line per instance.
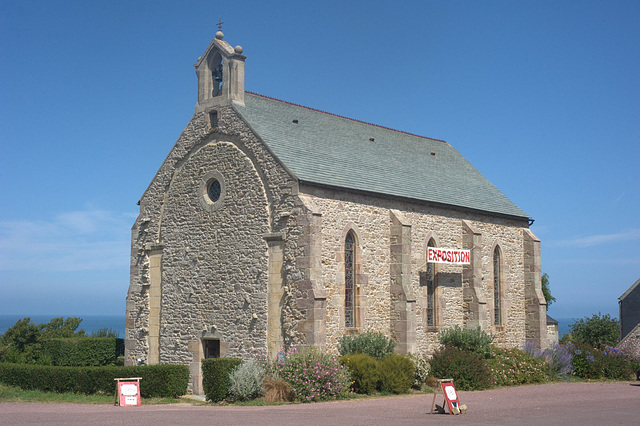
(542, 97)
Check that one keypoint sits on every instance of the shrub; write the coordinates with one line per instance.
(161, 380)
(471, 340)
(157, 380)
(58, 342)
(314, 376)
(247, 381)
(610, 363)
(559, 360)
(468, 370)
(585, 363)
(215, 377)
(365, 372)
(631, 346)
(598, 331)
(84, 351)
(397, 372)
(22, 334)
(374, 344)
(105, 332)
(618, 364)
(422, 369)
(513, 366)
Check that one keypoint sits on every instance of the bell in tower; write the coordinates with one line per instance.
(220, 72)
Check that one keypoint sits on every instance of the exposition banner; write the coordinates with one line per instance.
(450, 256)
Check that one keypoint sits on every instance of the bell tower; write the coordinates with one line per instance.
(220, 72)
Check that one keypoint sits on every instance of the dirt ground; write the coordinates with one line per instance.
(596, 403)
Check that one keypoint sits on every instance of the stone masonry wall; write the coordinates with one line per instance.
(214, 262)
(369, 217)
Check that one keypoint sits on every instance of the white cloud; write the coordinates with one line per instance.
(90, 239)
(599, 239)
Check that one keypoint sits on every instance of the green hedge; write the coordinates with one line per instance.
(372, 343)
(80, 352)
(468, 369)
(215, 377)
(160, 380)
(365, 372)
(396, 373)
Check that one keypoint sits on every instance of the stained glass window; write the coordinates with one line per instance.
(431, 290)
(349, 281)
(497, 317)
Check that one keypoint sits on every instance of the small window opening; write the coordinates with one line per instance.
(213, 119)
(211, 348)
(214, 190)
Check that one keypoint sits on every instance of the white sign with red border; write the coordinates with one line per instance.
(450, 256)
(128, 392)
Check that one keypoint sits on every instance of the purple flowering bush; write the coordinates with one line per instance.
(608, 363)
(313, 376)
(558, 358)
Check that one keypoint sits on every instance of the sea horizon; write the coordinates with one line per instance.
(89, 324)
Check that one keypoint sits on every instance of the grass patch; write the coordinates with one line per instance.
(15, 394)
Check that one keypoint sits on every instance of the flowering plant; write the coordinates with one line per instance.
(313, 376)
(513, 366)
(609, 363)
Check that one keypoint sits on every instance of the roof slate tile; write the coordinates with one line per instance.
(327, 149)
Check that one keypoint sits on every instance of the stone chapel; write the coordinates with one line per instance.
(272, 225)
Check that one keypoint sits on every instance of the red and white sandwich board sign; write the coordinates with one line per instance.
(450, 256)
(451, 397)
(128, 392)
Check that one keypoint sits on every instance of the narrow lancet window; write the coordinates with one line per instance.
(431, 290)
(497, 287)
(349, 281)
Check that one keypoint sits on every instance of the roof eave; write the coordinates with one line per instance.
(416, 200)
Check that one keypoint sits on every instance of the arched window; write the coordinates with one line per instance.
(350, 281)
(497, 288)
(431, 290)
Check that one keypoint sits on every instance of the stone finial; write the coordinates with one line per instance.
(238, 49)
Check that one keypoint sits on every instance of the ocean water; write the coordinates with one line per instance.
(89, 322)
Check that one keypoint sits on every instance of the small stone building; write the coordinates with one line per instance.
(272, 225)
(553, 331)
(629, 304)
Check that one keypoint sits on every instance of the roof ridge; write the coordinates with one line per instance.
(346, 118)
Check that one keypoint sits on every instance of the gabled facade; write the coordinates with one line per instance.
(271, 225)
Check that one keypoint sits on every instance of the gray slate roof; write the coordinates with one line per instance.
(630, 290)
(326, 149)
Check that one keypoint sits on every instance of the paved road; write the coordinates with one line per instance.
(551, 404)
